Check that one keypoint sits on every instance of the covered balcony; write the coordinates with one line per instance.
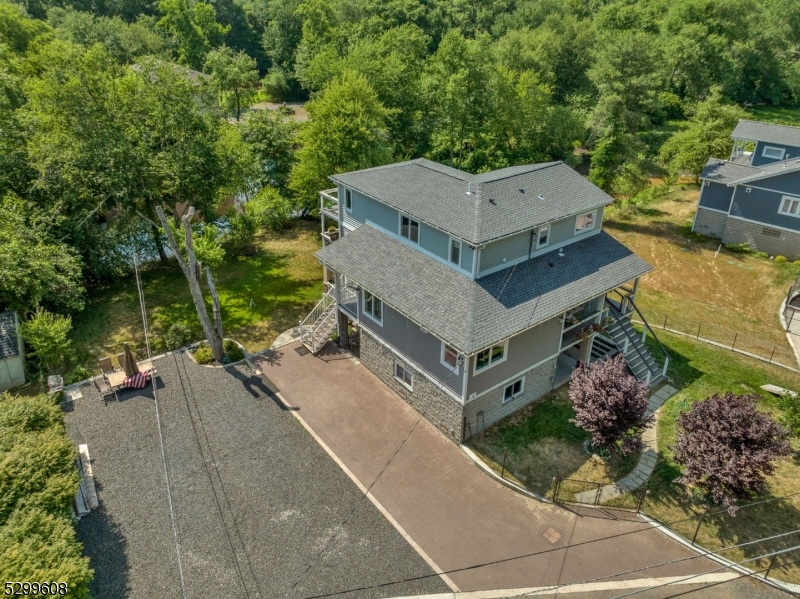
(332, 227)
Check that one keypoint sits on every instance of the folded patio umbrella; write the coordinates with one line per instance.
(129, 362)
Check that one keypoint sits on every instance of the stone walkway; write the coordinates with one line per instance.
(646, 463)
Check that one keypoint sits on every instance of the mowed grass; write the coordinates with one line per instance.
(731, 297)
(283, 280)
(698, 371)
(540, 443)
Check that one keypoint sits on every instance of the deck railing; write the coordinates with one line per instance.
(309, 325)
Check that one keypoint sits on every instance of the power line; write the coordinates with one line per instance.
(175, 536)
(554, 549)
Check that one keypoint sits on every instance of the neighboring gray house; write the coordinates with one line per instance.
(12, 352)
(474, 295)
(754, 197)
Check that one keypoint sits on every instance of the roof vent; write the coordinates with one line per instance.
(492, 202)
(522, 191)
(541, 197)
(561, 253)
(469, 189)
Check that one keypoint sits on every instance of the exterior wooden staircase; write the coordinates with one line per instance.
(316, 328)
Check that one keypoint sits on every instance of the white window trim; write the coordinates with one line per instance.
(400, 216)
(399, 380)
(514, 395)
(364, 307)
(460, 251)
(538, 236)
(347, 193)
(796, 213)
(767, 148)
(459, 359)
(490, 365)
(585, 229)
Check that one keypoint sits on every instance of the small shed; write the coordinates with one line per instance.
(12, 352)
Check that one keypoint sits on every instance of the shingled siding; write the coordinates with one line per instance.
(762, 205)
(716, 196)
(740, 231)
(524, 351)
(538, 381)
(427, 398)
(411, 341)
(710, 223)
(759, 158)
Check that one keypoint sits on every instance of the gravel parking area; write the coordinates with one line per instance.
(254, 497)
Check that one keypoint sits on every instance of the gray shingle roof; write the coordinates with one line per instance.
(9, 345)
(437, 194)
(769, 170)
(472, 314)
(724, 171)
(768, 132)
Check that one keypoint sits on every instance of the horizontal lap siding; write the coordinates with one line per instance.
(762, 206)
(510, 248)
(524, 350)
(716, 196)
(467, 257)
(759, 159)
(366, 209)
(788, 183)
(434, 241)
(407, 338)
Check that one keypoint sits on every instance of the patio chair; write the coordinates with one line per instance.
(104, 389)
(121, 360)
(106, 366)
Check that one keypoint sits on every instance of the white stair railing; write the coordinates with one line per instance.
(309, 324)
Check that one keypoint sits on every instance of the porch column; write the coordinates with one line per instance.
(632, 294)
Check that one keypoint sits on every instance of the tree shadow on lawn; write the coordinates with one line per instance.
(681, 373)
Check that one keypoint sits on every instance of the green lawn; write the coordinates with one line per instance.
(784, 115)
(283, 280)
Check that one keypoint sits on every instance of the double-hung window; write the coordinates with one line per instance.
(450, 357)
(513, 390)
(373, 307)
(409, 228)
(455, 251)
(404, 375)
(543, 237)
(584, 222)
(490, 356)
(348, 199)
(773, 152)
(790, 206)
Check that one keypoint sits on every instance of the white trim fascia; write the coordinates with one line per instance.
(440, 384)
(454, 369)
(536, 254)
(363, 306)
(491, 364)
(763, 175)
(768, 225)
(512, 378)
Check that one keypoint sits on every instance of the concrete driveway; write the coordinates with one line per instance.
(476, 533)
(254, 498)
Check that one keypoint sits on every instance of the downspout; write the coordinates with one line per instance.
(530, 245)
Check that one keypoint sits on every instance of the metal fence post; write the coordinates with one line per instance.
(665, 322)
(769, 568)
(597, 495)
(503, 469)
(733, 345)
(772, 354)
(696, 530)
(555, 489)
(698, 331)
(642, 497)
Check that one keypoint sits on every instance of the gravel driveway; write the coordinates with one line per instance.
(254, 497)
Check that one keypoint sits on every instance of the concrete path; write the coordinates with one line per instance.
(647, 462)
(475, 532)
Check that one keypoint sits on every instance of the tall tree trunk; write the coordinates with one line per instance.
(162, 255)
(213, 332)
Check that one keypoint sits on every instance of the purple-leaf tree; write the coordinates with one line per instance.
(727, 447)
(610, 404)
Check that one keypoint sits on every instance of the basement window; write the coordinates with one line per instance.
(513, 390)
(404, 375)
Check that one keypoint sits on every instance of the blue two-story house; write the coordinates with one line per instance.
(474, 295)
(754, 196)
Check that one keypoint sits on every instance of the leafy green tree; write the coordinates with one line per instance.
(17, 30)
(233, 78)
(282, 34)
(195, 28)
(707, 135)
(37, 270)
(48, 335)
(271, 136)
(269, 208)
(347, 131)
